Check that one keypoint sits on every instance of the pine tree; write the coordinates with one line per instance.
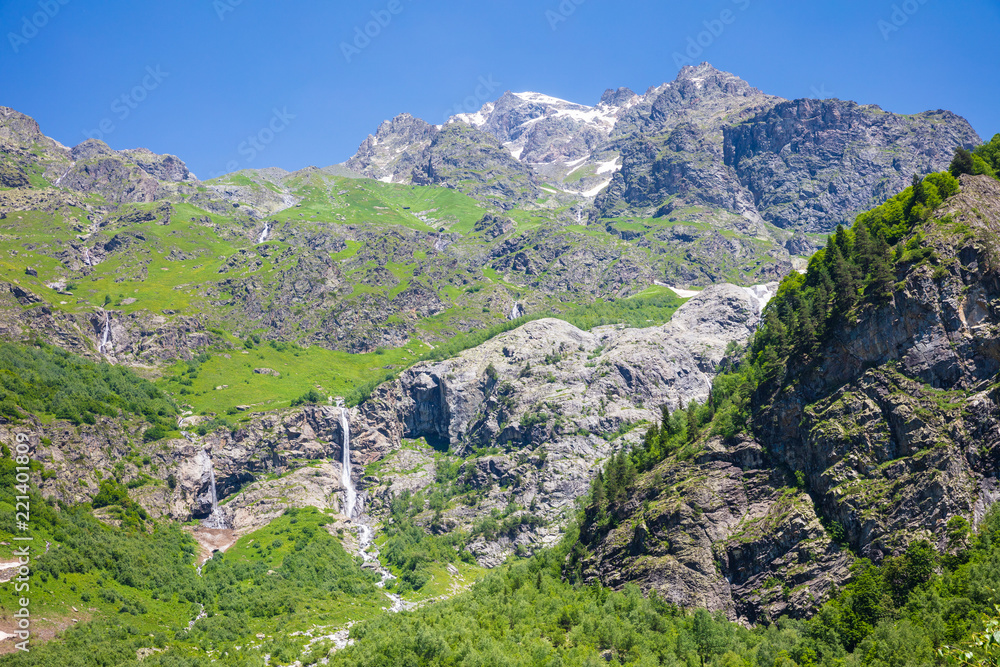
(845, 289)
(666, 426)
(808, 327)
(882, 280)
(961, 163)
(843, 241)
(864, 247)
(692, 421)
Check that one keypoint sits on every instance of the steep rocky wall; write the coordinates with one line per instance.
(556, 402)
(895, 423)
(892, 429)
(811, 164)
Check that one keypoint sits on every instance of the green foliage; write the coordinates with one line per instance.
(311, 397)
(289, 570)
(856, 268)
(48, 381)
(410, 550)
(990, 154)
(526, 613)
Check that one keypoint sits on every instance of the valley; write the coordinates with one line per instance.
(698, 376)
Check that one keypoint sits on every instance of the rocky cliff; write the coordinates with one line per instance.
(813, 164)
(531, 414)
(704, 153)
(883, 436)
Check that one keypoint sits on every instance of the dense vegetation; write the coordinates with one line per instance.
(894, 615)
(139, 583)
(48, 381)
(409, 550)
(984, 160)
(857, 268)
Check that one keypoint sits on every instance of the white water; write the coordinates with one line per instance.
(366, 535)
(86, 257)
(215, 519)
(760, 295)
(350, 493)
(516, 311)
(106, 347)
(264, 234)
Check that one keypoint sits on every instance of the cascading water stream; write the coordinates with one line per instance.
(106, 347)
(264, 234)
(215, 519)
(366, 535)
(350, 493)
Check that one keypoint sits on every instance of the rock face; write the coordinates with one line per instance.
(704, 149)
(889, 432)
(894, 424)
(392, 152)
(462, 157)
(548, 395)
(812, 164)
(304, 447)
(726, 531)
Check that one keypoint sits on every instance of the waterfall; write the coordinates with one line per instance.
(366, 534)
(263, 234)
(215, 519)
(86, 257)
(350, 493)
(516, 311)
(106, 347)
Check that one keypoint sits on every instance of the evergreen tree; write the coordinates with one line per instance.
(807, 336)
(692, 421)
(845, 289)
(961, 163)
(864, 247)
(882, 278)
(843, 241)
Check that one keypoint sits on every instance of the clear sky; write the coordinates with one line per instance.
(198, 78)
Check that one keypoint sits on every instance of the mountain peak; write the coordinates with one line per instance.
(617, 98)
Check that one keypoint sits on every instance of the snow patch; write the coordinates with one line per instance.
(576, 164)
(593, 192)
(477, 119)
(760, 295)
(682, 293)
(612, 166)
(539, 98)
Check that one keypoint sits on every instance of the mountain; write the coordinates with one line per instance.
(485, 346)
(704, 149)
(875, 440)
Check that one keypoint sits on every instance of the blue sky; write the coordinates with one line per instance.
(197, 78)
